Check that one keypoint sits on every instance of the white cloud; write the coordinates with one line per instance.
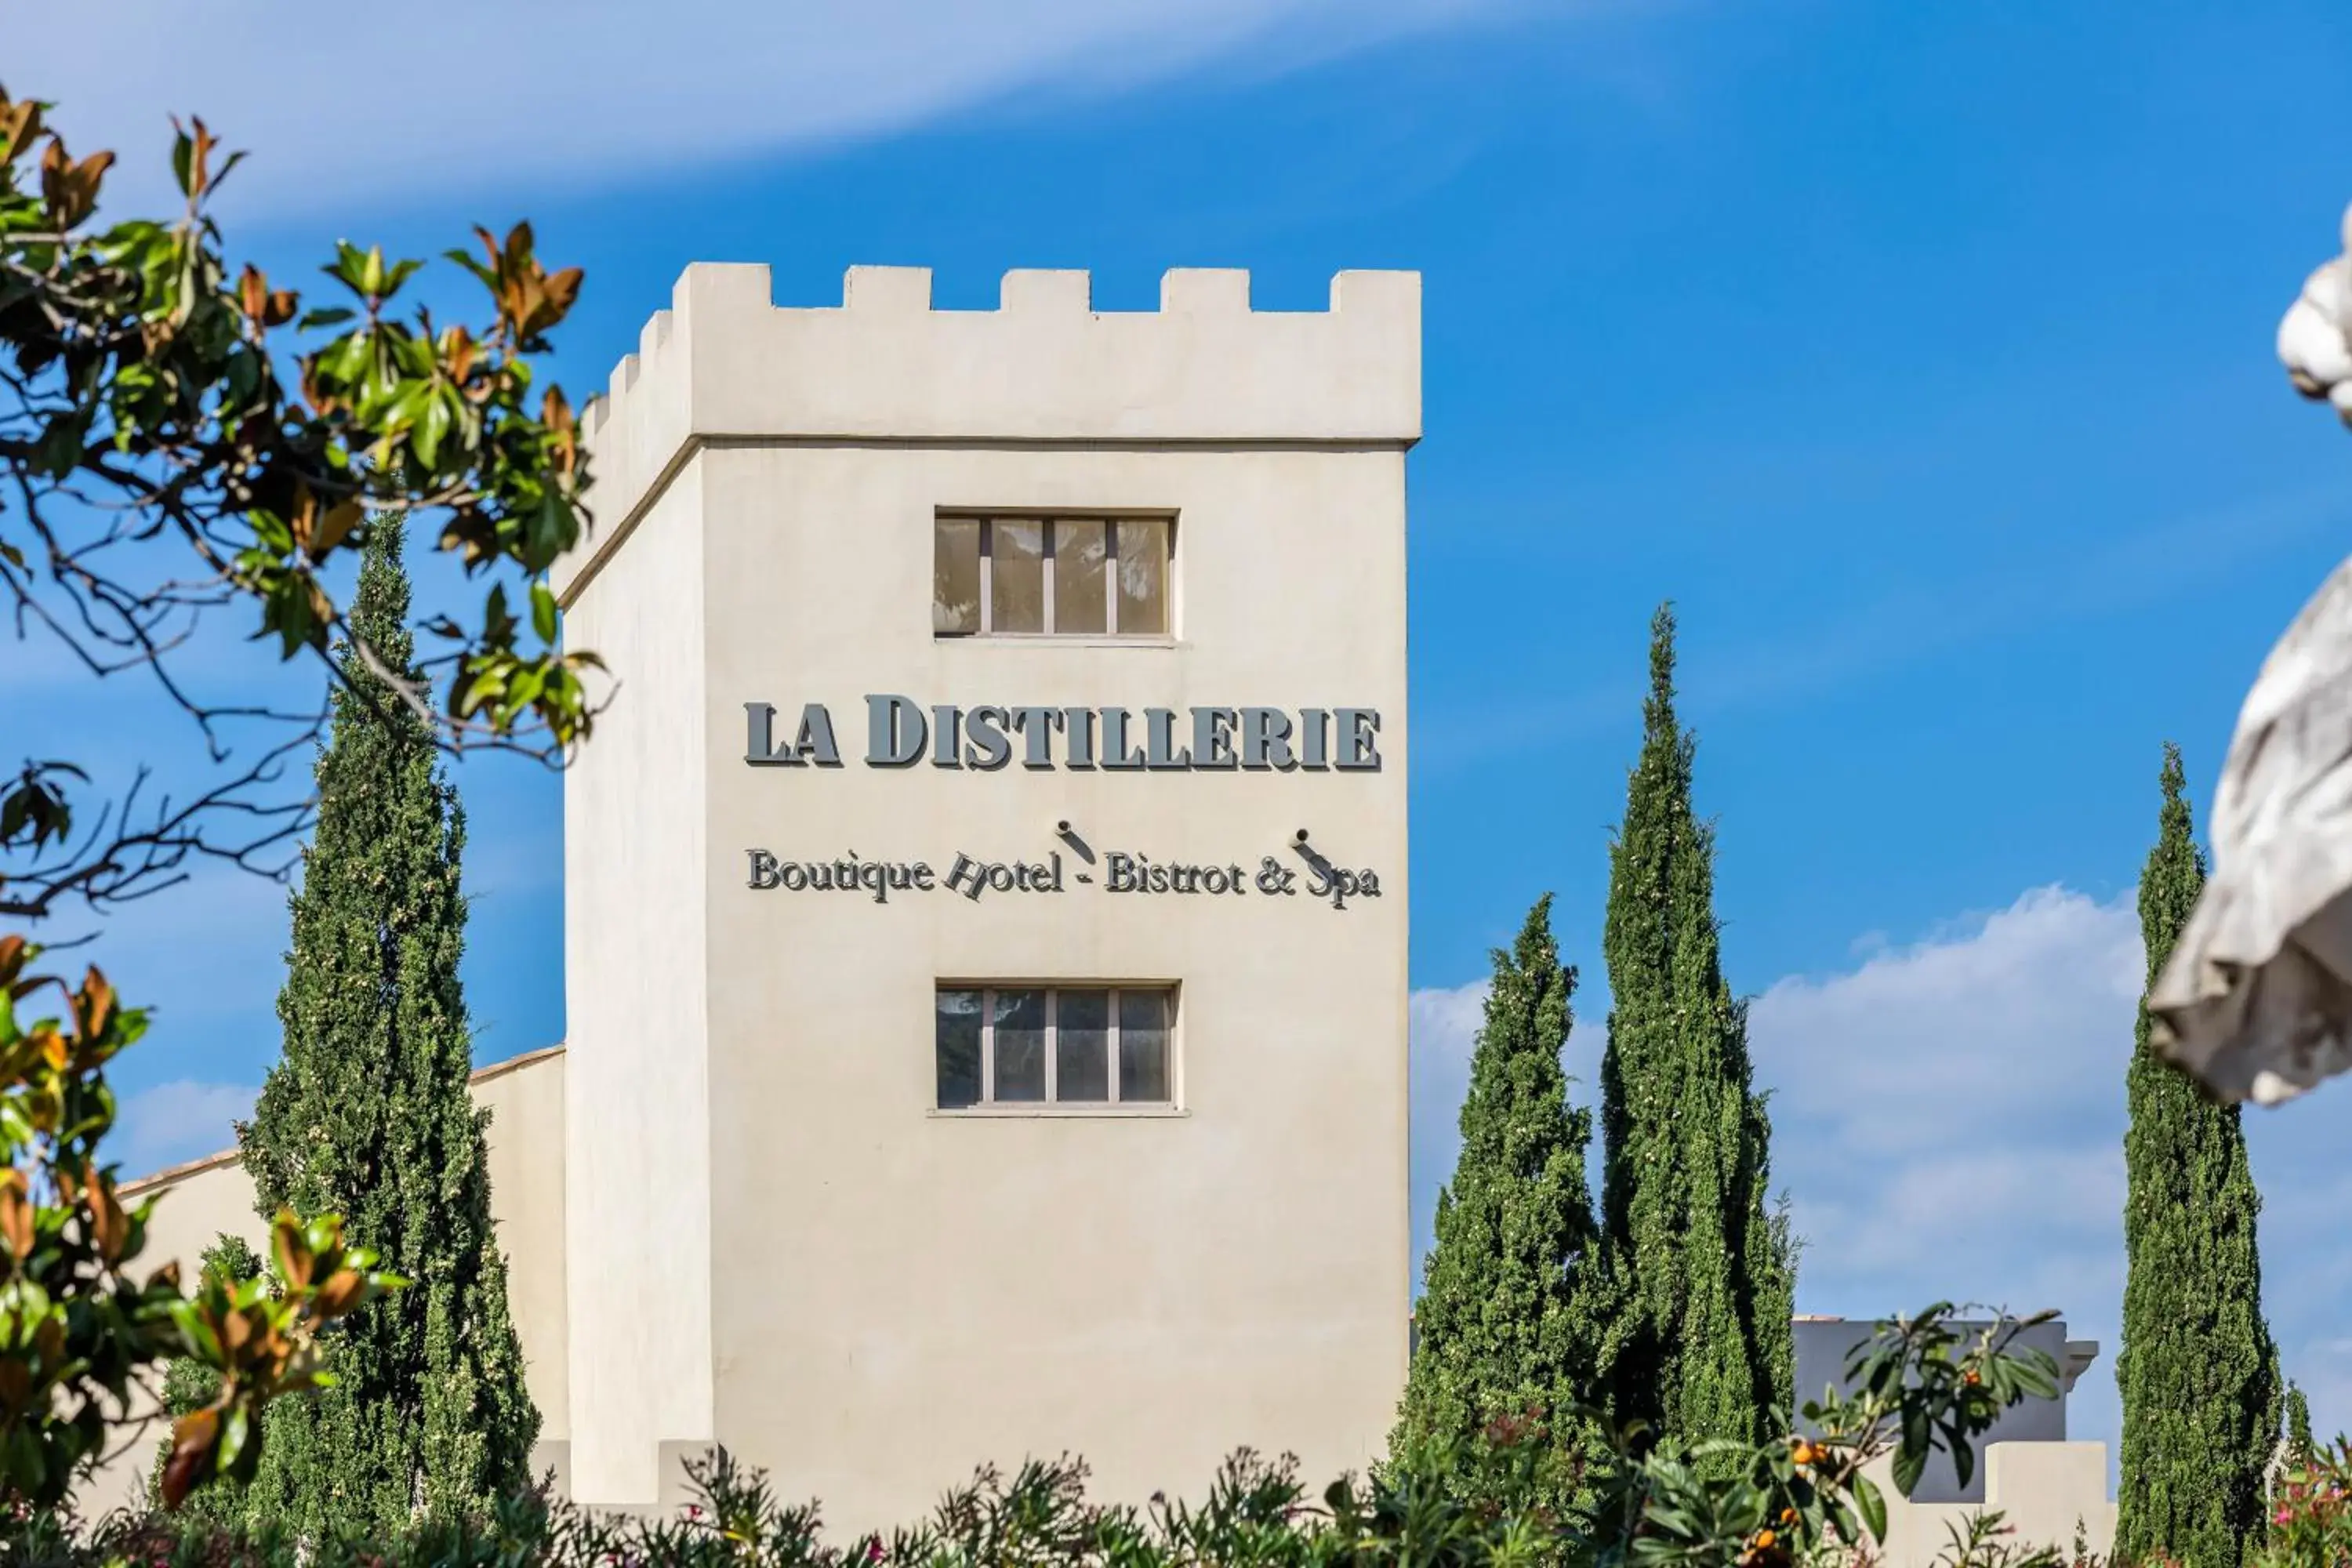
(1956, 1107)
(1444, 1032)
(177, 1121)
(1948, 1121)
(346, 103)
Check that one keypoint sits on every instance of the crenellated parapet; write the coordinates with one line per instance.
(726, 362)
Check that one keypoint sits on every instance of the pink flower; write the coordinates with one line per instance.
(2284, 1516)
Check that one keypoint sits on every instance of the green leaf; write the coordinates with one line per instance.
(434, 416)
(1873, 1504)
(544, 612)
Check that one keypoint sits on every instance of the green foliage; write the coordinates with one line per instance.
(160, 461)
(369, 1113)
(190, 1385)
(79, 1331)
(2197, 1368)
(1704, 1272)
(1439, 1502)
(2299, 1444)
(1505, 1329)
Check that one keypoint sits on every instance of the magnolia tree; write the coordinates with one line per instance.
(184, 443)
(2256, 1002)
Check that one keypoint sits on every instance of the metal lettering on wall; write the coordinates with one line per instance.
(903, 733)
(1116, 871)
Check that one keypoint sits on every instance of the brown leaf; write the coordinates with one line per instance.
(341, 1292)
(457, 344)
(15, 1215)
(252, 292)
(293, 1257)
(335, 527)
(12, 958)
(20, 127)
(70, 190)
(109, 1226)
(201, 154)
(96, 1004)
(193, 1439)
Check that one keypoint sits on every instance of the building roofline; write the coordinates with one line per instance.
(172, 1175)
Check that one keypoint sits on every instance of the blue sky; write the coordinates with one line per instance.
(1920, 354)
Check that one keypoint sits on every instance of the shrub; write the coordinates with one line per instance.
(1919, 1387)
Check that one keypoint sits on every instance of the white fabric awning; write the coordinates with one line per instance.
(2256, 1001)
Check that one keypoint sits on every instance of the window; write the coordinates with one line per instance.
(1060, 577)
(1034, 1045)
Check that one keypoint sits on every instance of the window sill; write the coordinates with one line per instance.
(1052, 639)
(1060, 1114)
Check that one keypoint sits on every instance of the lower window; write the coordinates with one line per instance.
(1068, 1045)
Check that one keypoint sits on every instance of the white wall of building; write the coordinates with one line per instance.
(894, 1294)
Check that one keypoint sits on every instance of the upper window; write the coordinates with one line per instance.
(1057, 576)
(1073, 1046)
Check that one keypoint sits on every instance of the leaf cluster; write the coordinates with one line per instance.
(179, 435)
(1921, 1384)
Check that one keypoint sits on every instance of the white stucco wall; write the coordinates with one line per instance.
(2048, 1494)
(894, 1294)
(636, 855)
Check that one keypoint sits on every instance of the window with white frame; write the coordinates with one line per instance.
(1066, 1045)
(1054, 576)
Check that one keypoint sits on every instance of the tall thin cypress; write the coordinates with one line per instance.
(1502, 1326)
(1705, 1270)
(2198, 1369)
(369, 1114)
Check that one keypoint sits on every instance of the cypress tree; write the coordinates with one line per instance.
(2197, 1369)
(1503, 1330)
(2299, 1445)
(1702, 1346)
(369, 1114)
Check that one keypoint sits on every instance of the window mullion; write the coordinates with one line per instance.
(1053, 1046)
(1110, 1044)
(988, 1048)
(987, 576)
(1045, 542)
(1110, 577)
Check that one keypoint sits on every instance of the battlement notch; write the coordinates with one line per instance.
(725, 361)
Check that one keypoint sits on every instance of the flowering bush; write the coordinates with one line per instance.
(2311, 1510)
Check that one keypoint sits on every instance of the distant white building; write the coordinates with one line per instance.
(2049, 1490)
(985, 901)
